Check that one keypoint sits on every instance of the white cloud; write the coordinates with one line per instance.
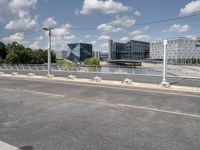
(5, 11)
(104, 38)
(137, 13)
(22, 24)
(35, 45)
(124, 39)
(61, 36)
(103, 6)
(49, 22)
(123, 22)
(22, 4)
(93, 42)
(141, 35)
(17, 13)
(108, 28)
(191, 8)
(18, 37)
(178, 28)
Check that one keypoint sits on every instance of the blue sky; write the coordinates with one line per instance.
(115, 19)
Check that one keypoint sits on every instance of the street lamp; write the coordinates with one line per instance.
(49, 51)
(164, 80)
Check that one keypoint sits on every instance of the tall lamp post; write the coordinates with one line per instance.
(164, 80)
(49, 51)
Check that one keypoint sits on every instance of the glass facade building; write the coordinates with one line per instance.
(76, 52)
(132, 50)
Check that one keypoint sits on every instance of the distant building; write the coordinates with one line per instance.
(75, 52)
(103, 56)
(180, 50)
(132, 50)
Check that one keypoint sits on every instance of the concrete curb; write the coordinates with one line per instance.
(112, 83)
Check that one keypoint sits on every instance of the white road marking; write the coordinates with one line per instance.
(160, 110)
(5, 146)
(7, 89)
(43, 93)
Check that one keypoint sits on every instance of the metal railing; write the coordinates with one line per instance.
(83, 68)
(172, 71)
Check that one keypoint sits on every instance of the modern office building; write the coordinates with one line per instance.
(180, 50)
(75, 52)
(103, 56)
(132, 50)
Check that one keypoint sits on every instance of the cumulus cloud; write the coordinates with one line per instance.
(178, 28)
(108, 28)
(35, 45)
(124, 39)
(191, 8)
(18, 37)
(18, 15)
(141, 34)
(117, 25)
(22, 24)
(137, 13)
(104, 38)
(103, 6)
(49, 22)
(23, 4)
(61, 36)
(123, 21)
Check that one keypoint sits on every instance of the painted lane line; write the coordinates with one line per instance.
(8, 89)
(160, 110)
(5, 146)
(43, 93)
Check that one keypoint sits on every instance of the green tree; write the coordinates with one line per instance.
(11, 58)
(92, 64)
(92, 61)
(3, 51)
(45, 56)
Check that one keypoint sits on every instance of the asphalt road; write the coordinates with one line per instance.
(49, 115)
(121, 77)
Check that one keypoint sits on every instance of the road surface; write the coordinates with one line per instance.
(52, 115)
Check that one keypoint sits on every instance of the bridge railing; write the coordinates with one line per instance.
(82, 68)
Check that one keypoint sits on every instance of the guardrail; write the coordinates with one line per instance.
(151, 71)
(83, 68)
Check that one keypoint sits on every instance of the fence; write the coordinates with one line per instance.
(156, 70)
(89, 69)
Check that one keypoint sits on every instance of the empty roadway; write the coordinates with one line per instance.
(48, 115)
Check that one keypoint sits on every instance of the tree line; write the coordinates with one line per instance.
(15, 53)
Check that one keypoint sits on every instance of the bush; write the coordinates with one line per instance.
(92, 62)
(66, 65)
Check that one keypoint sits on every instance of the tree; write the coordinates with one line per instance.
(92, 64)
(92, 61)
(11, 58)
(3, 51)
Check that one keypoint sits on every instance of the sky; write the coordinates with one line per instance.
(95, 21)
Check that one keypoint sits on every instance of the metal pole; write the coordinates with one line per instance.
(164, 80)
(164, 60)
(49, 53)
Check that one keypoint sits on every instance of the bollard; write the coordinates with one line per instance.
(71, 77)
(127, 81)
(97, 79)
(31, 74)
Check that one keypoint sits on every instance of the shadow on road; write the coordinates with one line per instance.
(26, 148)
